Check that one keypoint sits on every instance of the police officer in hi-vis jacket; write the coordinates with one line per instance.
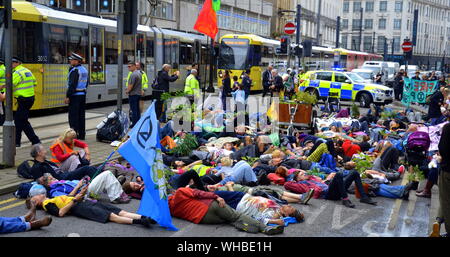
(76, 95)
(24, 83)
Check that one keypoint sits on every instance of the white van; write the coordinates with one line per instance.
(376, 67)
(394, 67)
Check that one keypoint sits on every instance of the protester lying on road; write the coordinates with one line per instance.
(88, 209)
(208, 208)
(23, 223)
(104, 182)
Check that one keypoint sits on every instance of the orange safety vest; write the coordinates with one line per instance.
(63, 146)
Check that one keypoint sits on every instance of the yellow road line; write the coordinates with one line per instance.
(397, 205)
(12, 206)
(9, 200)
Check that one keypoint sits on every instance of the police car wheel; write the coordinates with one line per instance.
(364, 100)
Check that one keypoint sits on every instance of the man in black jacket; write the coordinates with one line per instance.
(163, 80)
(41, 166)
(398, 85)
(267, 80)
(277, 84)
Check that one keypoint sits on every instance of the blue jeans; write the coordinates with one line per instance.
(242, 173)
(134, 107)
(12, 225)
(321, 168)
(391, 191)
(167, 130)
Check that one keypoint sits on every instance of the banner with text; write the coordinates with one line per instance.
(416, 91)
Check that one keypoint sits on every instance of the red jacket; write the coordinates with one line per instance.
(350, 149)
(190, 204)
(61, 155)
(301, 187)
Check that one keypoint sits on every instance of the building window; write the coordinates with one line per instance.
(345, 23)
(382, 23)
(368, 23)
(356, 24)
(346, 6)
(396, 44)
(380, 44)
(355, 43)
(398, 6)
(397, 24)
(356, 6)
(344, 42)
(367, 43)
(369, 6)
(383, 6)
(105, 6)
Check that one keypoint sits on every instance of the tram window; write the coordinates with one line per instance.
(254, 56)
(57, 41)
(111, 48)
(186, 53)
(204, 55)
(128, 49)
(78, 43)
(97, 58)
(140, 42)
(27, 41)
(149, 49)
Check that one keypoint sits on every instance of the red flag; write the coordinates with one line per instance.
(207, 20)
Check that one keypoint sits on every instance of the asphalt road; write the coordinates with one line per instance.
(322, 218)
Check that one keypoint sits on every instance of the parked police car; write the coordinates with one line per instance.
(346, 86)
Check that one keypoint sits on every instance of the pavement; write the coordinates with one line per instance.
(390, 218)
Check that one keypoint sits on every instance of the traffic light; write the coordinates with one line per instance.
(130, 17)
(284, 44)
(307, 48)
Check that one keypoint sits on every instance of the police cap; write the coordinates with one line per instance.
(16, 59)
(75, 56)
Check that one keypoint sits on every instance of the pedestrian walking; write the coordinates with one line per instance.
(141, 67)
(134, 92)
(24, 83)
(226, 89)
(77, 84)
(277, 84)
(163, 80)
(267, 80)
(247, 83)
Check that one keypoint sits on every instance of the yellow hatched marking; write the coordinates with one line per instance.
(7, 201)
(12, 206)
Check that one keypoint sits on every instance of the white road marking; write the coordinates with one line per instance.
(338, 224)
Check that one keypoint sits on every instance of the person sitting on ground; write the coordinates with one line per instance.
(23, 223)
(92, 210)
(42, 165)
(65, 156)
(334, 187)
(208, 208)
(104, 182)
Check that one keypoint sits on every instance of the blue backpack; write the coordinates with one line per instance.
(24, 190)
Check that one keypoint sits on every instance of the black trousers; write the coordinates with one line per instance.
(21, 120)
(183, 180)
(77, 115)
(398, 92)
(156, 95)
(337, 189)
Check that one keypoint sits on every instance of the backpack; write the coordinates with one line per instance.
(111, 131)
(155, 83)
(24, 169)
(418, 141)
(24, 190)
